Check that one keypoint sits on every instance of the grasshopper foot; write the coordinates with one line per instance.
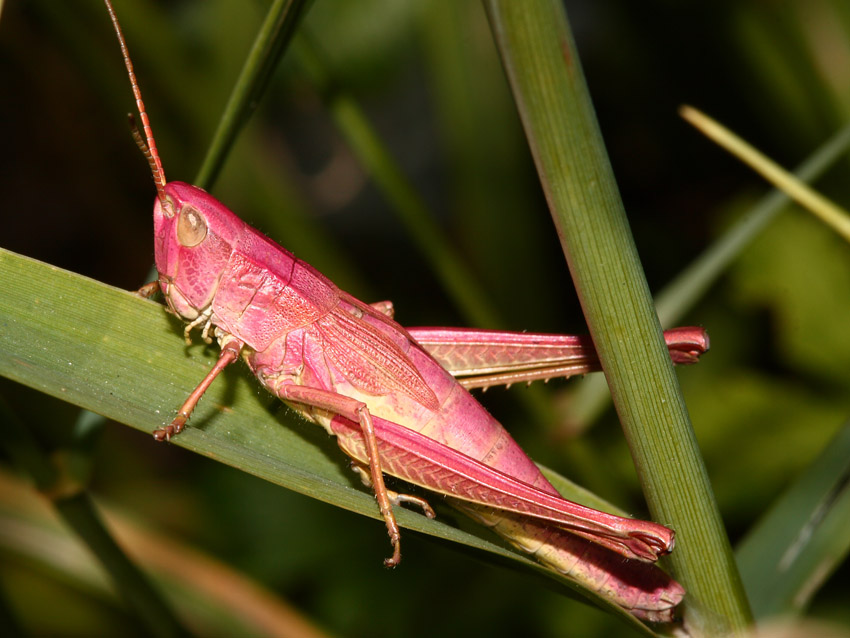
(395, 559)
(396, 498)
(421, 503)
(172, 429)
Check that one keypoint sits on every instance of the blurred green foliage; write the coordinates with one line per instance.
(767, 399)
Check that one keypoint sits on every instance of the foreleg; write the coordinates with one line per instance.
(230, 350)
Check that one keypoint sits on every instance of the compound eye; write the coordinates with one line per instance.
(191, 226)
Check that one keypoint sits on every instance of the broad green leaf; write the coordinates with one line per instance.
(121, 356)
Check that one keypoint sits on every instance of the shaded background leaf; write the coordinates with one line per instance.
(798, 543)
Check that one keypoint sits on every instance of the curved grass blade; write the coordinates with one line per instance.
(800, 541)
(272, 39)
(827, 211)
(121, 356)
(590, 395)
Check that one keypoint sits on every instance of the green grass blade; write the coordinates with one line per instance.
(589, 396)
(681, 294)
(827, 211)
(271, 42)
(800, 541)
(557, 114)
(121, 356)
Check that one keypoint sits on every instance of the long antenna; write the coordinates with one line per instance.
(148, 147)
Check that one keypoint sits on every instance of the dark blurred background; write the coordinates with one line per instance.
(77, 193)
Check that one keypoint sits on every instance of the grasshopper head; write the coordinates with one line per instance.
(194, 235)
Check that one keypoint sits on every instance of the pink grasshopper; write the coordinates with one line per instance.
(390, 395)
